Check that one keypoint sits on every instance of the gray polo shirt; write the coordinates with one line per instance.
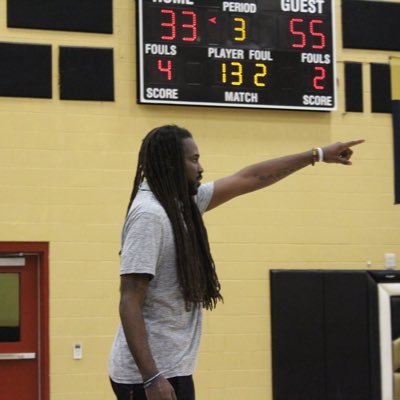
(173, 333)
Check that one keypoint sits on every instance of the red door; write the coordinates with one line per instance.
(19, 328)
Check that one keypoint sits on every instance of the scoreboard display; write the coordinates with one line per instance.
(256, 54)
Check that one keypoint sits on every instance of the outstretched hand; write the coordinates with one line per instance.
(340, 153)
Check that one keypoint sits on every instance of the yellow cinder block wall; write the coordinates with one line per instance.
(67, 169)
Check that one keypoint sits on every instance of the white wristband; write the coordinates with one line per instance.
(320, 154)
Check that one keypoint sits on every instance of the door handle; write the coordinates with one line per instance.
(17, 356)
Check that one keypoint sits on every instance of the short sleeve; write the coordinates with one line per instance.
(204, 196)
(141, 245)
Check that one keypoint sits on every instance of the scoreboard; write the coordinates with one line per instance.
(254, 53)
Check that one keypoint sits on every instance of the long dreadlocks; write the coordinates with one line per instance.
(161, 163)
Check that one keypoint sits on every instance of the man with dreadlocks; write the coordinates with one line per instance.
(167, 271)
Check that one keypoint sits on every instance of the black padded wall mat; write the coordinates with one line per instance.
(370, 24)
(381, 98)
(346, 335)
(297, 316)
(395, 316)
(396, 147)
(86, 74)
(25, 70)
(65, 15)
(353, 87)
(324, 335)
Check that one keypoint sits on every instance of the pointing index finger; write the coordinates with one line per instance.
(353, 143)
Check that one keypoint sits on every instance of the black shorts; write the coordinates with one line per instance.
(183, 386)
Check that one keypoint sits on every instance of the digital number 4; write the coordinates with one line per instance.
(165, 66)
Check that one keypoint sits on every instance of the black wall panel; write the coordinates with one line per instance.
(395, 316)
(86, 74)
(353, 87)
(370, 24)
(396, 147)
(381, 101)
(325, 341)
(346, 335)
(297, 315)
(25, 70)
(373, 334)
(68, 15)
